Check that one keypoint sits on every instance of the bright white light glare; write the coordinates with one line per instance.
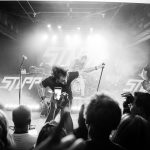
(76, 39)
(35, 40)
(89, 38)
(67, 38)
(97, 47)
(13, 106)
(78, 28)
(97, 38)
(59, 27)
(44, 37)
(91, 29)
(49, 26)
(75, 108)
(54, 38)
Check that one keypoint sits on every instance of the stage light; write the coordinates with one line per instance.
(103, 15)
(49, 25)
(78, 28)
(13, 106)
(59, 27)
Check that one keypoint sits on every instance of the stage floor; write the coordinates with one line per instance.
(38, 122)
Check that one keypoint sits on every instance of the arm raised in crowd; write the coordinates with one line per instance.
(81, 131)
(69, 142)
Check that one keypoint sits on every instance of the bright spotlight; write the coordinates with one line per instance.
(49, 25)
(59, 27)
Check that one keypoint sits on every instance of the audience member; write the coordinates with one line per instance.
(141, 105)
(103, 115)
(22, 118)
(6, 140)
(133, 133)
(55, 142)
(81, 131)
(47, 130)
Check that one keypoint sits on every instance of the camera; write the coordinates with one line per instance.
(57, 93)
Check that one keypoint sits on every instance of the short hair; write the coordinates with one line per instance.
(58, 71)
(103, 114)
(21, 116)
(47, 130)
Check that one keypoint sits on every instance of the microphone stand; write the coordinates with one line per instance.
(103, 65)
(20, 83)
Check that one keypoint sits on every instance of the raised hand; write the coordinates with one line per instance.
(128, 96)
(54, 142)
(81, 131)
(81, 119)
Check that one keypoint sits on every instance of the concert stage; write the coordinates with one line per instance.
(37, 122)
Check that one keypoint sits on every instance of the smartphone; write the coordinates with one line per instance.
(57, 93)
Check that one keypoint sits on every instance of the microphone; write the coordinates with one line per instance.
(24, 57)
(103, 65)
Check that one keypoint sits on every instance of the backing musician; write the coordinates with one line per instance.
(146, 78)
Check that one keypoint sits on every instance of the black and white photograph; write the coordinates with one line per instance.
(74, 75)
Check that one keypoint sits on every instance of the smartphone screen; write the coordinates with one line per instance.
(57, 93)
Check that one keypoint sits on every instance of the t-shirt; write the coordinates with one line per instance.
(147, 68)
(51, 83)
(24, 141)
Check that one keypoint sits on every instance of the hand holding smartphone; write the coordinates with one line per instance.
(54, 142)
(57, 93)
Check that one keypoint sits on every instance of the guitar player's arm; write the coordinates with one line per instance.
(87, 70)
